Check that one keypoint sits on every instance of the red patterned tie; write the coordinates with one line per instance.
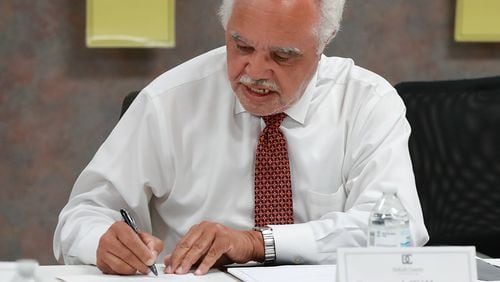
(273, 187)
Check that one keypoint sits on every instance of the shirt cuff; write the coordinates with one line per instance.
(85, 251)
(288, 251)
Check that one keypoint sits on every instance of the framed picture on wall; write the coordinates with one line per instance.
(477, 21)
(130, 23)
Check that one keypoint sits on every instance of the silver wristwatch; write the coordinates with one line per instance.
(269, 249)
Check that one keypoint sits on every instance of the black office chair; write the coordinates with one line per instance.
(127, 101)
(455, 150)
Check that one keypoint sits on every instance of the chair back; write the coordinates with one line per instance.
(127, 101)
(455, 150)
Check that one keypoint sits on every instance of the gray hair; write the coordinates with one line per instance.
(331, 15)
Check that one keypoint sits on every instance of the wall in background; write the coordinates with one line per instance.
(59, 100)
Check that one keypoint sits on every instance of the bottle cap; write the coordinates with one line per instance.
(389, 188)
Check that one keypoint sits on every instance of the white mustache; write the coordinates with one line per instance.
(269, 84)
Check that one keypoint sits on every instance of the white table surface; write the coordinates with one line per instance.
(49, 272)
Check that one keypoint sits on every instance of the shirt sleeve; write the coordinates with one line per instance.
(377, 156)
(124, 173)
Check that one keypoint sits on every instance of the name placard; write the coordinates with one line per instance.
(425, 264)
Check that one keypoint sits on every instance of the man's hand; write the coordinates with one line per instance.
(122, 251)
(212, 244)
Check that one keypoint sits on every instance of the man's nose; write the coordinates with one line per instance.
(259, 67)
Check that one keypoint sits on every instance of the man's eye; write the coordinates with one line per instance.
(244, 49)
(281, 58)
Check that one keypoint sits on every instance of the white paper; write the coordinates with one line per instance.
(488, 270)
(289, 273)
(211, 276)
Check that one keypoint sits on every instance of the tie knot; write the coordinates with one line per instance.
(274, 120)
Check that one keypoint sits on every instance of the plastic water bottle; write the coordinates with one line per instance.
(26, 271)
(389, 224)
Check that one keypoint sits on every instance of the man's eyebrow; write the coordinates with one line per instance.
(292, 51)
(237, 37)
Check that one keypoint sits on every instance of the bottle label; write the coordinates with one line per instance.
(394, 237)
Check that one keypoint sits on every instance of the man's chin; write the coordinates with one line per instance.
(264, 107)
(261, 112)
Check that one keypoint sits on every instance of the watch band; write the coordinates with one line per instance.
(269, 249)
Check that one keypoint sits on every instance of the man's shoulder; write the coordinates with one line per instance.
(343, 71)
(195, 69)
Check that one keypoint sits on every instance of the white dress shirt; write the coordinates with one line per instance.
(184, 152)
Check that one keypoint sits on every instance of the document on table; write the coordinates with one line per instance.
(214, 276)
(487, 271)
(289, 273)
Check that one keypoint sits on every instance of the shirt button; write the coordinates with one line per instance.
(298, 260)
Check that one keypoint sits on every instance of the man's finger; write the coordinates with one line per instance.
(117, 265)
(198, 250)
(153, 243)
(218, 248)
(122, 252)
(181, 249)
(133, 242)
(103, 266)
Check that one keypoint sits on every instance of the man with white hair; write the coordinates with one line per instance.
(262, 150)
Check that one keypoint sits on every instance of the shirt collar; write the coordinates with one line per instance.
(297, 111)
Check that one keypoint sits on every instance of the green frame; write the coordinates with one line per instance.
(130, 23)
(477, 21)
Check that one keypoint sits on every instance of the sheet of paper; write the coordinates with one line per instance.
(211, 276)
(487, 271)
(289, 273)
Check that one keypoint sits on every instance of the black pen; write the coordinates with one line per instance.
(131, 222)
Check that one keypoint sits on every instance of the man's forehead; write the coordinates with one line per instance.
(282, 2)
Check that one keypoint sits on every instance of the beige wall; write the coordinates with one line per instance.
(59, 100)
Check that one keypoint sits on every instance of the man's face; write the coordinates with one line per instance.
(271, 52)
